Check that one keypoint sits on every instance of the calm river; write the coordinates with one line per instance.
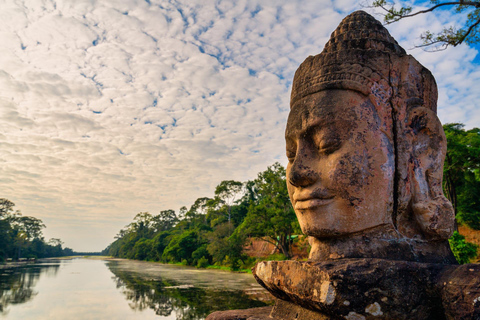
(121, 289)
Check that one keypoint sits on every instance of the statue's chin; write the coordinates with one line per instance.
(320, 233)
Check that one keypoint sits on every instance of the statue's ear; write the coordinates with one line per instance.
(432, 211)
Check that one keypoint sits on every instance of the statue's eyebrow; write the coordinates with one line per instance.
(325, 126)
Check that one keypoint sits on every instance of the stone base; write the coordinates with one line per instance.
(364, 289)
(282, 310)
(285, 310)
(247, 314)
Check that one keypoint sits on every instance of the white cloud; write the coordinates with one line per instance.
(110, 107)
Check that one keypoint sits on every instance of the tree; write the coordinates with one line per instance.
(182, 246)
(225, 247)
(55, 242)
(142, 224)
(450, 36)
(6, 210)
(461, 173)
(271, 216)
(21, 236)
(227, 192)
(6, 207)
(199, 209)
(31, 227)
(165, 220)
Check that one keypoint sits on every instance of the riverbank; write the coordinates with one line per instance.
(247, 266)
(177, 264)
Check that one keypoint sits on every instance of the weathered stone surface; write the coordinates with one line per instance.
(285, 310)
(372, 289)
(459, 287)
(248, 314)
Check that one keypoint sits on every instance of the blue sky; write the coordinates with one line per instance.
(109, 108)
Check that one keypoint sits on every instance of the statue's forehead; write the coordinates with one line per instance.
(327, 109)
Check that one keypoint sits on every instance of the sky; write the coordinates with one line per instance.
(113, 107)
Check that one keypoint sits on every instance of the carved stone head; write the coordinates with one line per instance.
(366, 150)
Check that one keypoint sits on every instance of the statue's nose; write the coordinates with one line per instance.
(302, 174)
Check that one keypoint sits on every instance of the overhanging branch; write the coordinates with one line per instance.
(401, 16)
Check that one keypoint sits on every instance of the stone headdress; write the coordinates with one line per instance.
(362, 56)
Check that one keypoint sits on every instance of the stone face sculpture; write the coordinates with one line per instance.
(366, 151)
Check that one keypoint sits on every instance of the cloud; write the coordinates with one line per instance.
(109, 108)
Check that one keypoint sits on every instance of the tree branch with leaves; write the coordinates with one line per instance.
(449, 36)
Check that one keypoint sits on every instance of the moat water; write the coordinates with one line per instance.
(87, 288)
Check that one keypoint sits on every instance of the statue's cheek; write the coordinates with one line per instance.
(349, 176)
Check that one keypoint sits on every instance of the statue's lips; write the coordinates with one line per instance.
(311, 203)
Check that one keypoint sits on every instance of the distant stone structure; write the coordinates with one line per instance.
(366, 153)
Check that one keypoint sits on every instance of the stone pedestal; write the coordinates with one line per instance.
(364, 289)
(248, 314)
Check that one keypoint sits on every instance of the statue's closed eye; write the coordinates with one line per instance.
(329, 146)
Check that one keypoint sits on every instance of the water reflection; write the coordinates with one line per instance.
(17, 283)
(179, 298)
(83, 289)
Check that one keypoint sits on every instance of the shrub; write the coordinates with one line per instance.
(277, 257)
(202, 262)
(464, 251)
(248, 263)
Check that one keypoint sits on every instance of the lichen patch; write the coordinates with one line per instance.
(476, 300)
(374, 309)
(354, 316)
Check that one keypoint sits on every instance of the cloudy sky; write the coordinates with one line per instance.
(112, 107)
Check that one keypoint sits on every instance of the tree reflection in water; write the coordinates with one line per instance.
(17, 283)
(187, 302)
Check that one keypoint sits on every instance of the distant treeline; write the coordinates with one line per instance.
(214, 230)
(87, 253)
(22, 237)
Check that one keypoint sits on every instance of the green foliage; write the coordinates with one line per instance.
(202, 262)
(270, 214)
(461, 173)
(160, 242)
(218, 246)
(22, 237)
(464, 251)
(181, 247)
(277, 257)
(165, 220)
(201, 252)
(469, 31)
(143, 249)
